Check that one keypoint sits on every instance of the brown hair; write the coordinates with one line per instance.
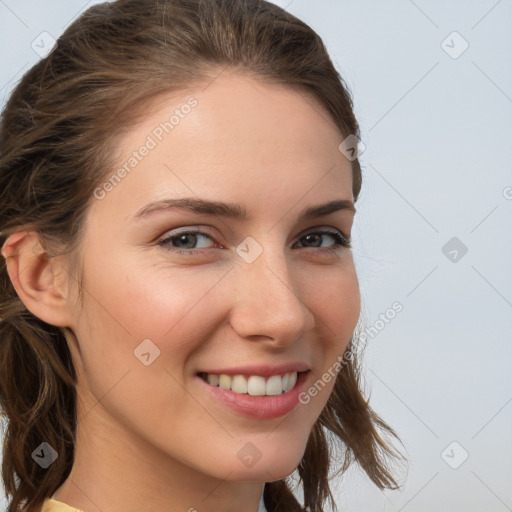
(57, 133)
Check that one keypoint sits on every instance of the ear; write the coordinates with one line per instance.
(41, 282)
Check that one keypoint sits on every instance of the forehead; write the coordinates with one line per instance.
(233, 136)
(237, 112)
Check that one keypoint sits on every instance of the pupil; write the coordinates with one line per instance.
(183, 239)
(313, 235)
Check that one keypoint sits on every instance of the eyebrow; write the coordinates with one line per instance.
(236, 211)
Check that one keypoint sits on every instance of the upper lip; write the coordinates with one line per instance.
(263, 370)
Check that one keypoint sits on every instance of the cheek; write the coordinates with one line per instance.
(132, 317)
(147, 300)
(337, 305)
(335, 299)
(125, 305)
(343, 308)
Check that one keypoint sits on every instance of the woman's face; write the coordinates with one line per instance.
(175, 297)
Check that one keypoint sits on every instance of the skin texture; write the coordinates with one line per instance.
(149, 437)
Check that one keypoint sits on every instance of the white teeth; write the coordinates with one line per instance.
(213, 379)
(239, 384)
(286, 379)
(255, 385)
(292, 381)
(274, 385)
(225, 381)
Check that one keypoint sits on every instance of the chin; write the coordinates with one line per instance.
(265, 472)
(269, 462)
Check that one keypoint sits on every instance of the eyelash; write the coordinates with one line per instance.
(341, 241)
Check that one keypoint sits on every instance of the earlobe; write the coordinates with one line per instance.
(40, 281)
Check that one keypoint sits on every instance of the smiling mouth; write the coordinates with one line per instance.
(254, 385)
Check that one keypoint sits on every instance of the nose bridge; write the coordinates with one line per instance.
(268, 298)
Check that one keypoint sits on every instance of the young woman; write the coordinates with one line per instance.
(179, 304)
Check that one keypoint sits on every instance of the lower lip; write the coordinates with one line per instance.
(261, 407)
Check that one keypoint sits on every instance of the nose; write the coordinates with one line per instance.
(268, 302)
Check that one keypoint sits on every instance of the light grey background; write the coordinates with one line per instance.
(437, 165)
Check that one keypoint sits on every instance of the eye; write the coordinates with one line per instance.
(316, 238)
(186, 242)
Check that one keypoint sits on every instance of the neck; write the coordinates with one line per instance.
(117, 471)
